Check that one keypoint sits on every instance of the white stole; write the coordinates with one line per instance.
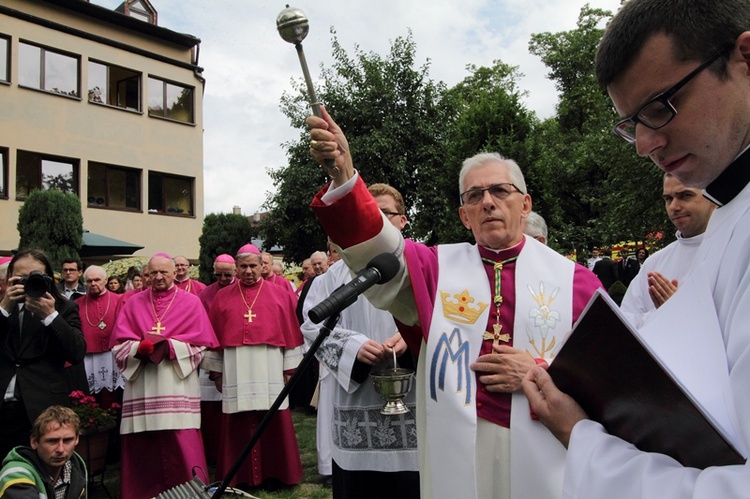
(544, 284)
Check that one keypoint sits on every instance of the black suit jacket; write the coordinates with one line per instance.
(606, 270)
(627, 269)
(37, 356)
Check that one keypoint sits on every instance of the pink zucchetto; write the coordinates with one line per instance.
(248, 249)
(224, 258)
(161, 255)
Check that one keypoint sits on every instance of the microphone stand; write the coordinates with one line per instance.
(325, 330)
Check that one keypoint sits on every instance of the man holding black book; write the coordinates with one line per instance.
(678, 72)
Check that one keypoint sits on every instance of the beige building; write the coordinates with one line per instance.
(108, 105)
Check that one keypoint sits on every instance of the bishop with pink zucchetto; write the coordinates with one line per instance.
(248, 249)
(260, 339)
(158, 341)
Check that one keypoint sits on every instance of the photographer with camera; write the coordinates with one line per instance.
(39, 332)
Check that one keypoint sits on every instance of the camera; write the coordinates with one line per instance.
(36, 284)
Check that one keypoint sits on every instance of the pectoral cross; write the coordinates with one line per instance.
(495, 335)
(249, 315)
(102, 325)
(158, 328)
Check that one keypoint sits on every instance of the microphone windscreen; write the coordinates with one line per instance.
(386, 264)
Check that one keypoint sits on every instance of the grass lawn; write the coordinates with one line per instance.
(310, 486)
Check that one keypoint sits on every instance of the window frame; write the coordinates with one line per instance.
(141, 12)
(164, 209)
(5, 78)
(108, 168)
(4, 161)
(42, 69)
(74, 162)
(115, 86)
(164, 95)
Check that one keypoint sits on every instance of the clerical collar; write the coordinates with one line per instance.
(503, 254)
(689, 241)
(731, 181)
(166, 292)
(242, 284)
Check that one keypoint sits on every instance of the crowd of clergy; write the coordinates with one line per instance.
(194, 367)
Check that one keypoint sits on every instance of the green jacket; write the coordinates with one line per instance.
(20, 477)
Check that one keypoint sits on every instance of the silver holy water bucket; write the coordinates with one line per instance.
(393, 384)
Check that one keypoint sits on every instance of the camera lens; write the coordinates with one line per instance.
(36, 285)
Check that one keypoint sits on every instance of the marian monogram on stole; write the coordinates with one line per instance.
(452, 347)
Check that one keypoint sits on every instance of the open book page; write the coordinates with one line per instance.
(616, 378)
(685, 335)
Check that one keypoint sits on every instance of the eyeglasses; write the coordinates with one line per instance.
(497, 191)
(181, 265)
(390, 214)
(223, 274)
(657, 112)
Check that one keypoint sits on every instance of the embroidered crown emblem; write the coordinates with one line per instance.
(460, 307)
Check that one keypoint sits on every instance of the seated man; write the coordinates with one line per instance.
(50, 467)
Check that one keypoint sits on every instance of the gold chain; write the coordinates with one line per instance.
(242, 294)
(151, 298)
(101, 319)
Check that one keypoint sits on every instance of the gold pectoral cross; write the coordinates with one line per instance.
(495, 335)
(158, 328)
(249, 315)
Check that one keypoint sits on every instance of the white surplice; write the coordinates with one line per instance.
(600, 465)
(673, 262)
(362, 438)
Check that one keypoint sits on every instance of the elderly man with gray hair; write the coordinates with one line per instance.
(484, 306)
(97, 310)
(536, 227)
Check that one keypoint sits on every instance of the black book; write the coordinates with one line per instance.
(607, 369)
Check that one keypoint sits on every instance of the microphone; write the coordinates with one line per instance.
(380, 270)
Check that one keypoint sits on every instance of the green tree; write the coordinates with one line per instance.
(489, 117)
(599, 191)
(390, 111)
(222, 233)
(51, 221)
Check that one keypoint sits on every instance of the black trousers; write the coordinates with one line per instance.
(374, 484)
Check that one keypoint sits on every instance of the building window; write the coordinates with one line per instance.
(169, 100)
(140, 12)
(170, 194)
(4, 172)
(48, 70)
(114, 187)
(114, 86)
(4, 59)
(40, 171)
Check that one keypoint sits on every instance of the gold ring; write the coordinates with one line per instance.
(313, 142)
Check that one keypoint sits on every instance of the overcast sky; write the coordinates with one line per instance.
(248, 66)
